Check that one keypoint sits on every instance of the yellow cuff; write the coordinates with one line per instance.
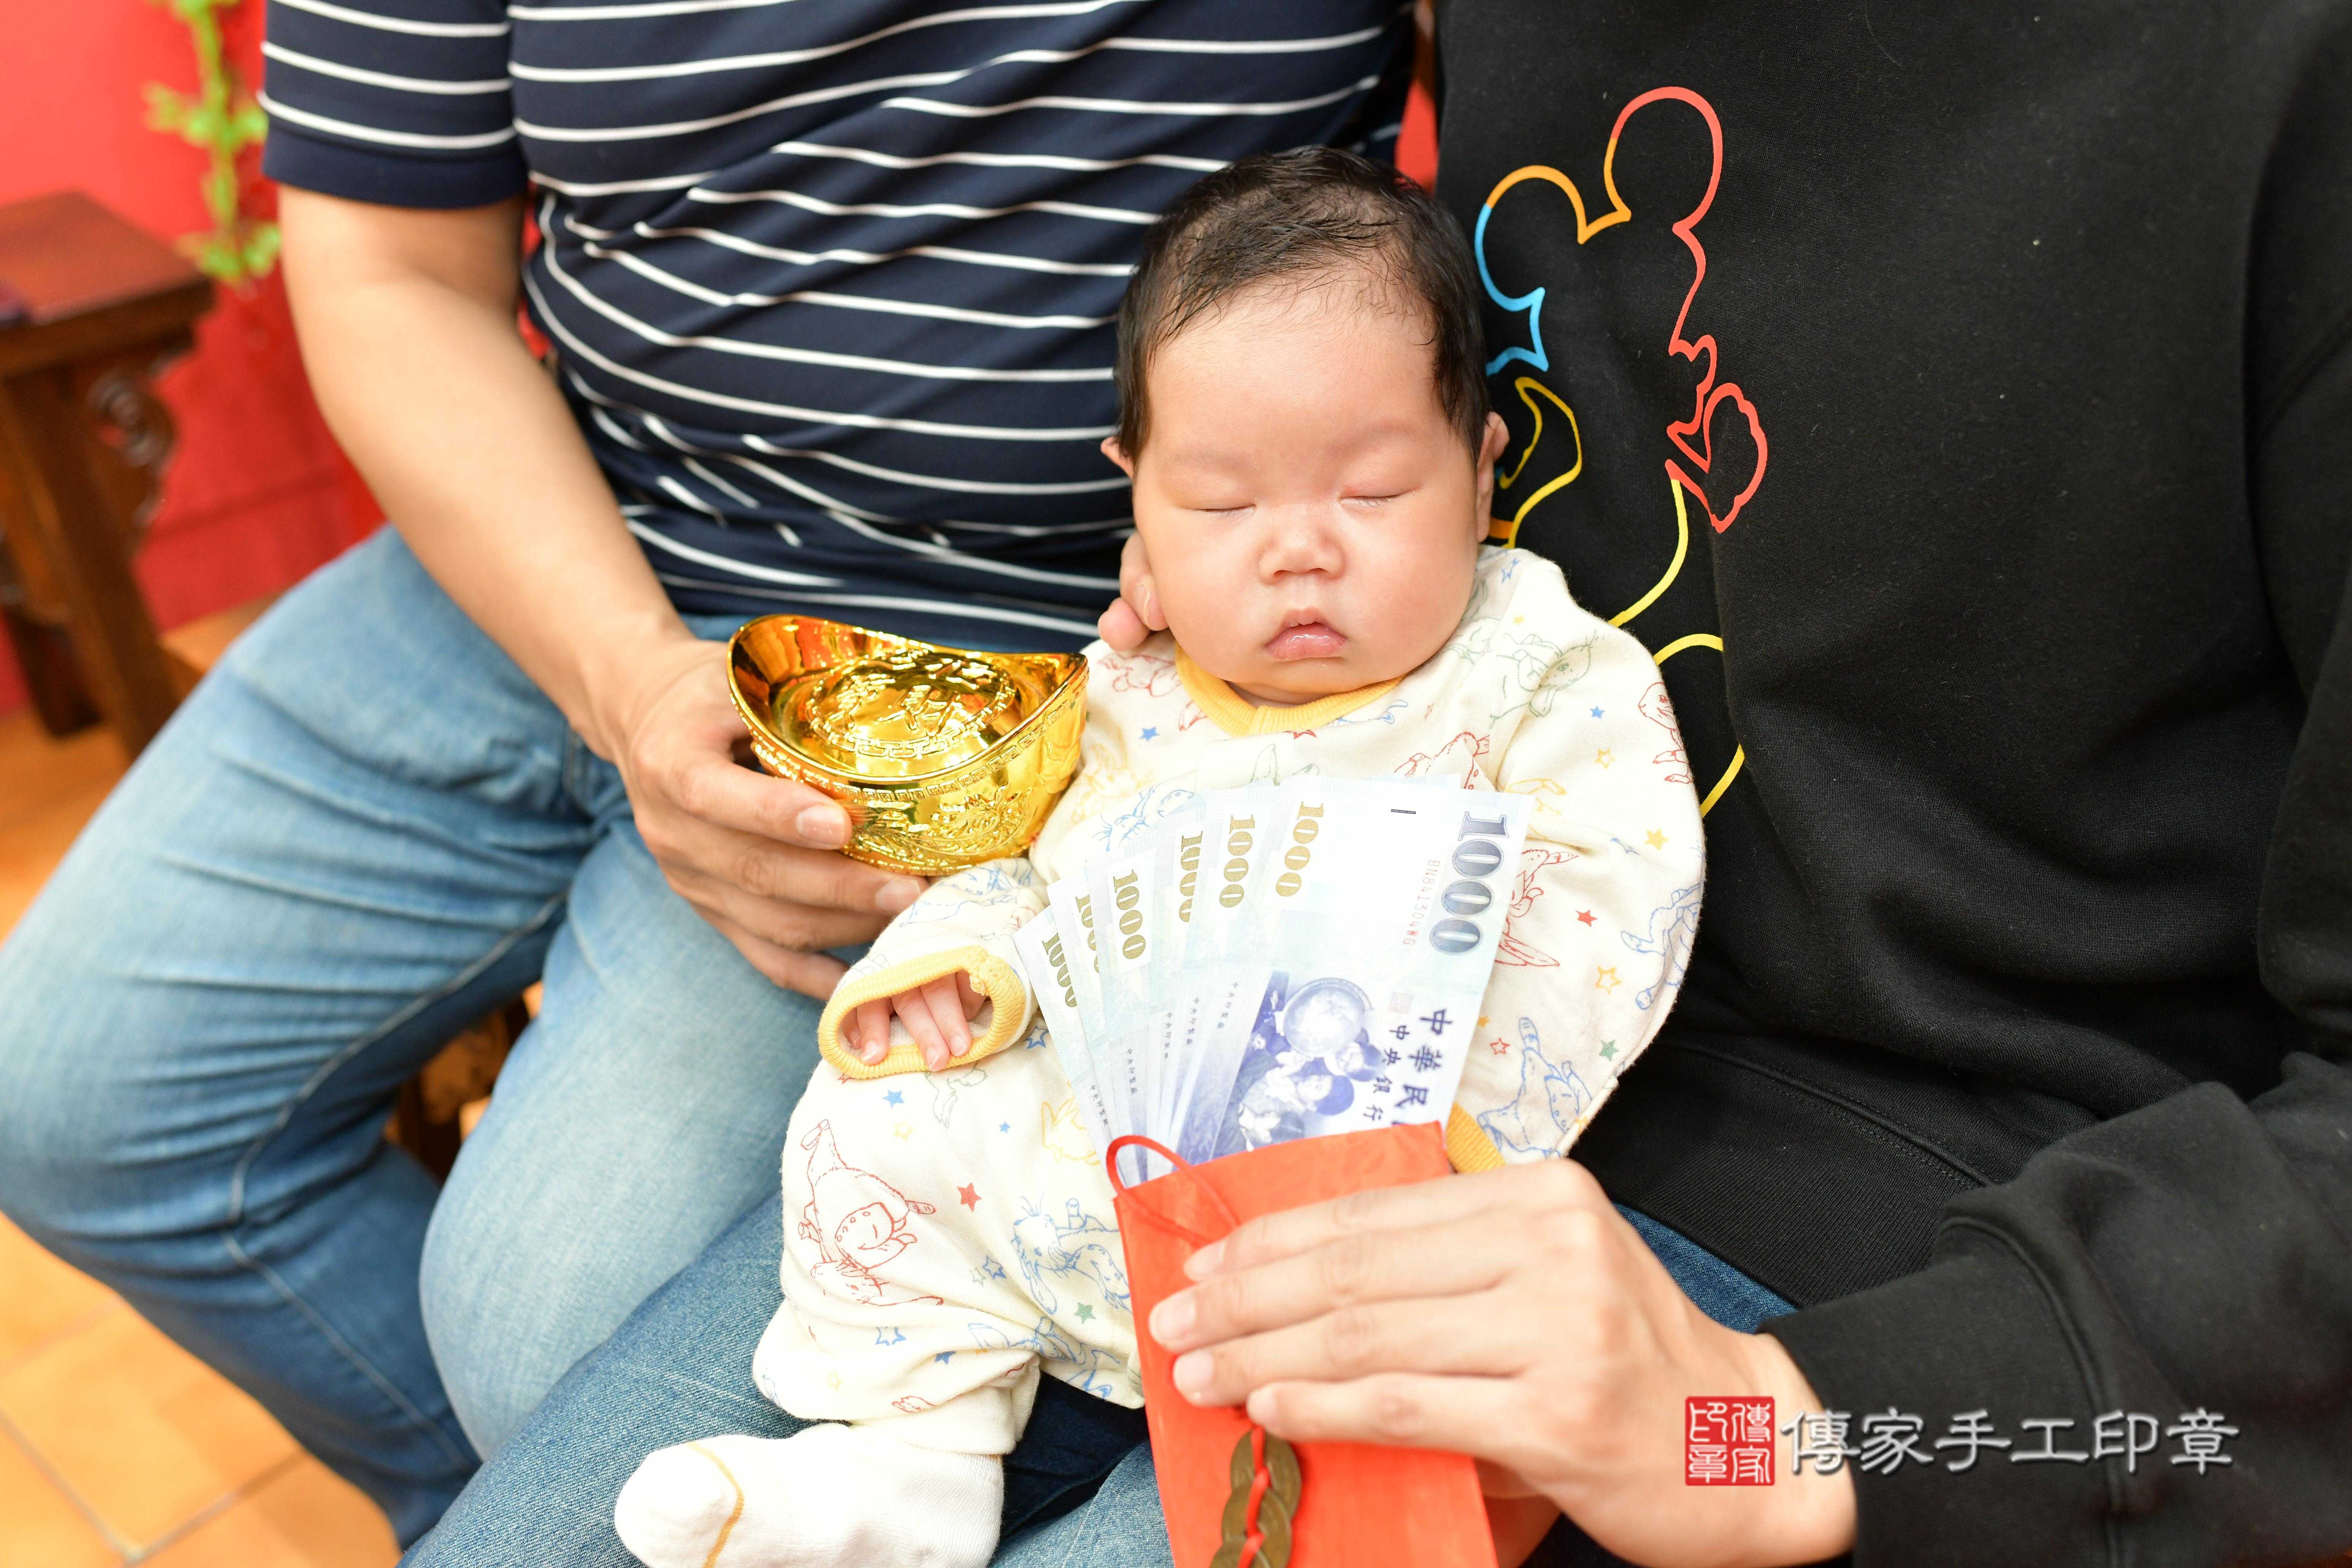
(991, 975)
(1467, 1145)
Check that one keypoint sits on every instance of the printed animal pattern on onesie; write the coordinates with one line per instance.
(994, 1249)
(1514, 948)
(945, 1250)
(1552, 1103)
(1073, 1244)
(998, 885)
(1673, 927)
(858, 1221)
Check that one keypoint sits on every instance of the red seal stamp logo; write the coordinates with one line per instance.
(1727, 1442)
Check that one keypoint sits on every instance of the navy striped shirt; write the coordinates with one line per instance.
(830, 283)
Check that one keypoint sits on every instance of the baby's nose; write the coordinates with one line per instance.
(1302, 541)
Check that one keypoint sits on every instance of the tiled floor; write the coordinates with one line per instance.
(116, 1446)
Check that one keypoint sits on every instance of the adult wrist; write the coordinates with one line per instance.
(1973, 1332)
(1812, 1517)
(621, 670)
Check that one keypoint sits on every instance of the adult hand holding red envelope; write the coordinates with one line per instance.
(1235, 1495)
(1515, 1317)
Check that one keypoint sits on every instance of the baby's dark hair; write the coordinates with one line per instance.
(1298, 217)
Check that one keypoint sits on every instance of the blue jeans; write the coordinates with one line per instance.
(1078, 1493)
(363, 830)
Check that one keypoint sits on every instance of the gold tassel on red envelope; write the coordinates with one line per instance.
(1234, 1495)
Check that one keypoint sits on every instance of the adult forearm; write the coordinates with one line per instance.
(407, 325)
(2139, 1286)
(474, 454)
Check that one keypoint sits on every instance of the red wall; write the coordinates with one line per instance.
(259, 494)
(1416, 152)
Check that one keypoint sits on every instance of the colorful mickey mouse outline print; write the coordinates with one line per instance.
(1706, 398)
(1708, 394)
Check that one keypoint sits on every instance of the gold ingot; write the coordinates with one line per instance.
(944, 757)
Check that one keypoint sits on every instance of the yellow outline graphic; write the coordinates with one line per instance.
(1740, 754)
(1696, 639)
(1509, 532)
(1618, 211)
(1681, 551)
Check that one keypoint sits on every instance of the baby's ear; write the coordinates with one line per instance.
(1490, 452)
(1117, 454)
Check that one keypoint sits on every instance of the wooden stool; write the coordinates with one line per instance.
(90, 309)
(97, 308)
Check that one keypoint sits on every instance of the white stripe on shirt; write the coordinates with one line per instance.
(1000, 160)
(628, 12)
(370, 133)
(617, 188)
(1123, 105)
(712, 122)
(380, 79)
(1244, 45)
(401, 24)
(738, 496)
(926, 209)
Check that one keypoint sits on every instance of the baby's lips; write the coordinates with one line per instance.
(1317, 639)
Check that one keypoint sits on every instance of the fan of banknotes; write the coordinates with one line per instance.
(1243, 968)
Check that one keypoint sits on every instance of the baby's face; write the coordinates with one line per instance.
(1312, 516)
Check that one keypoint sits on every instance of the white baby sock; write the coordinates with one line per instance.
(827, 1496)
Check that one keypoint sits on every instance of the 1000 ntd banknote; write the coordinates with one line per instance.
(1283, 960)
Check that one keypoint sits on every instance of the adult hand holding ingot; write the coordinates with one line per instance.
(759, 859)
(942, 757)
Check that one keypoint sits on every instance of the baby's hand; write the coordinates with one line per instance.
(937, 1012)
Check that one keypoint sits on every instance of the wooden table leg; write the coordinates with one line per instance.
(66, 512)
(45, 656)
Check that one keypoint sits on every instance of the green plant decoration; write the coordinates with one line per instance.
(220, 119)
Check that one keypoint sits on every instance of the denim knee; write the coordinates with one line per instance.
(62, 1138)
(479, 1346)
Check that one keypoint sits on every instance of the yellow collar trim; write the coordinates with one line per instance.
(1237, 715)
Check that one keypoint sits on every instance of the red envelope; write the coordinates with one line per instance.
(1358, 1506)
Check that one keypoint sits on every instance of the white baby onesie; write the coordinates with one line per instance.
(950, 1236)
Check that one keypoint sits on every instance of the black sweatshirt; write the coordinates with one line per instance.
(1970, 437)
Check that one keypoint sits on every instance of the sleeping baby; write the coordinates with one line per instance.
(1305, 419)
